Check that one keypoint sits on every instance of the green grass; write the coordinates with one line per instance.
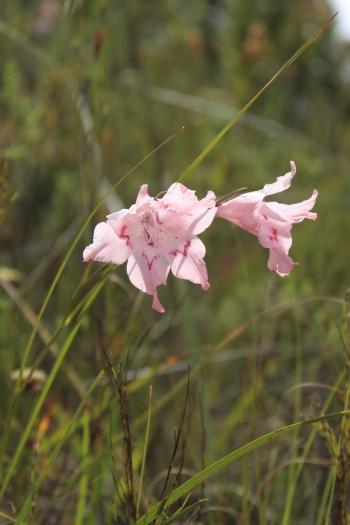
(236, 399)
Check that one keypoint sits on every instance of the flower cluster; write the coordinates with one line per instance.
(156, 235)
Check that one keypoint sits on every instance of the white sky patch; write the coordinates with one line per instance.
(343, 19)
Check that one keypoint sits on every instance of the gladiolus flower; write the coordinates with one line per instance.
(155, 235)
(270, 222)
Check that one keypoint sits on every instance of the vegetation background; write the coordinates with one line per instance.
(87, 90)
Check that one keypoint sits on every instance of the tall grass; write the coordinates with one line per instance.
(202, 414)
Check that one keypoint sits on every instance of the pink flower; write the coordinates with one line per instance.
(155, 235)
(271, 222)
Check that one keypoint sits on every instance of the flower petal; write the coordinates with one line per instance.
(106, 246)
(143, 197)
(195, 215)
(271, 222)
(203, 214)
(156, 235)
(189, 264)
(117, 216)
(146, 271)
(280, 263)
(241, 210)
(294, 213)
(179, 197)
(274, 234)
(282, 183)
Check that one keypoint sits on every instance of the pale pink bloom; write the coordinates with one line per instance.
(271, 222)
(155, 235)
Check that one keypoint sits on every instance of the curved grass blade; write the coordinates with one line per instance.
(186, 512)
(307, 447)
(220, 345)
(199, 159)
(67, 319)
(26, 507)
(37, 407)
(50, 379)
(210, 471)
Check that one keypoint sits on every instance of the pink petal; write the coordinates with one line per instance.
(146, 272)
(280, 263)
(155, 234)
(117, 216)
(180, 197)
(271, 222)
(282, 183)
(240, 210)
(128, 228)
(106, 246)
(143, 197)
(275, 235)
(188, 263)
(196, 215)
(203, 214)
(157, 305)
(294, 213)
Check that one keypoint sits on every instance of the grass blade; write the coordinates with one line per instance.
(54, 454)
(210, 471)
(203, 154)
(6, 517)
(50, 379)
(149, 412)
(83, 485)
(326, 496)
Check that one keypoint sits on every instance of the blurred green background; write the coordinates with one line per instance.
(89, 88)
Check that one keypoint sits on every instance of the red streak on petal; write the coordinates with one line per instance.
(184, 252)
(150, 262)
(123, 235)
(273, 237)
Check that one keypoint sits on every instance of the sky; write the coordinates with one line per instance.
(343, 18)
